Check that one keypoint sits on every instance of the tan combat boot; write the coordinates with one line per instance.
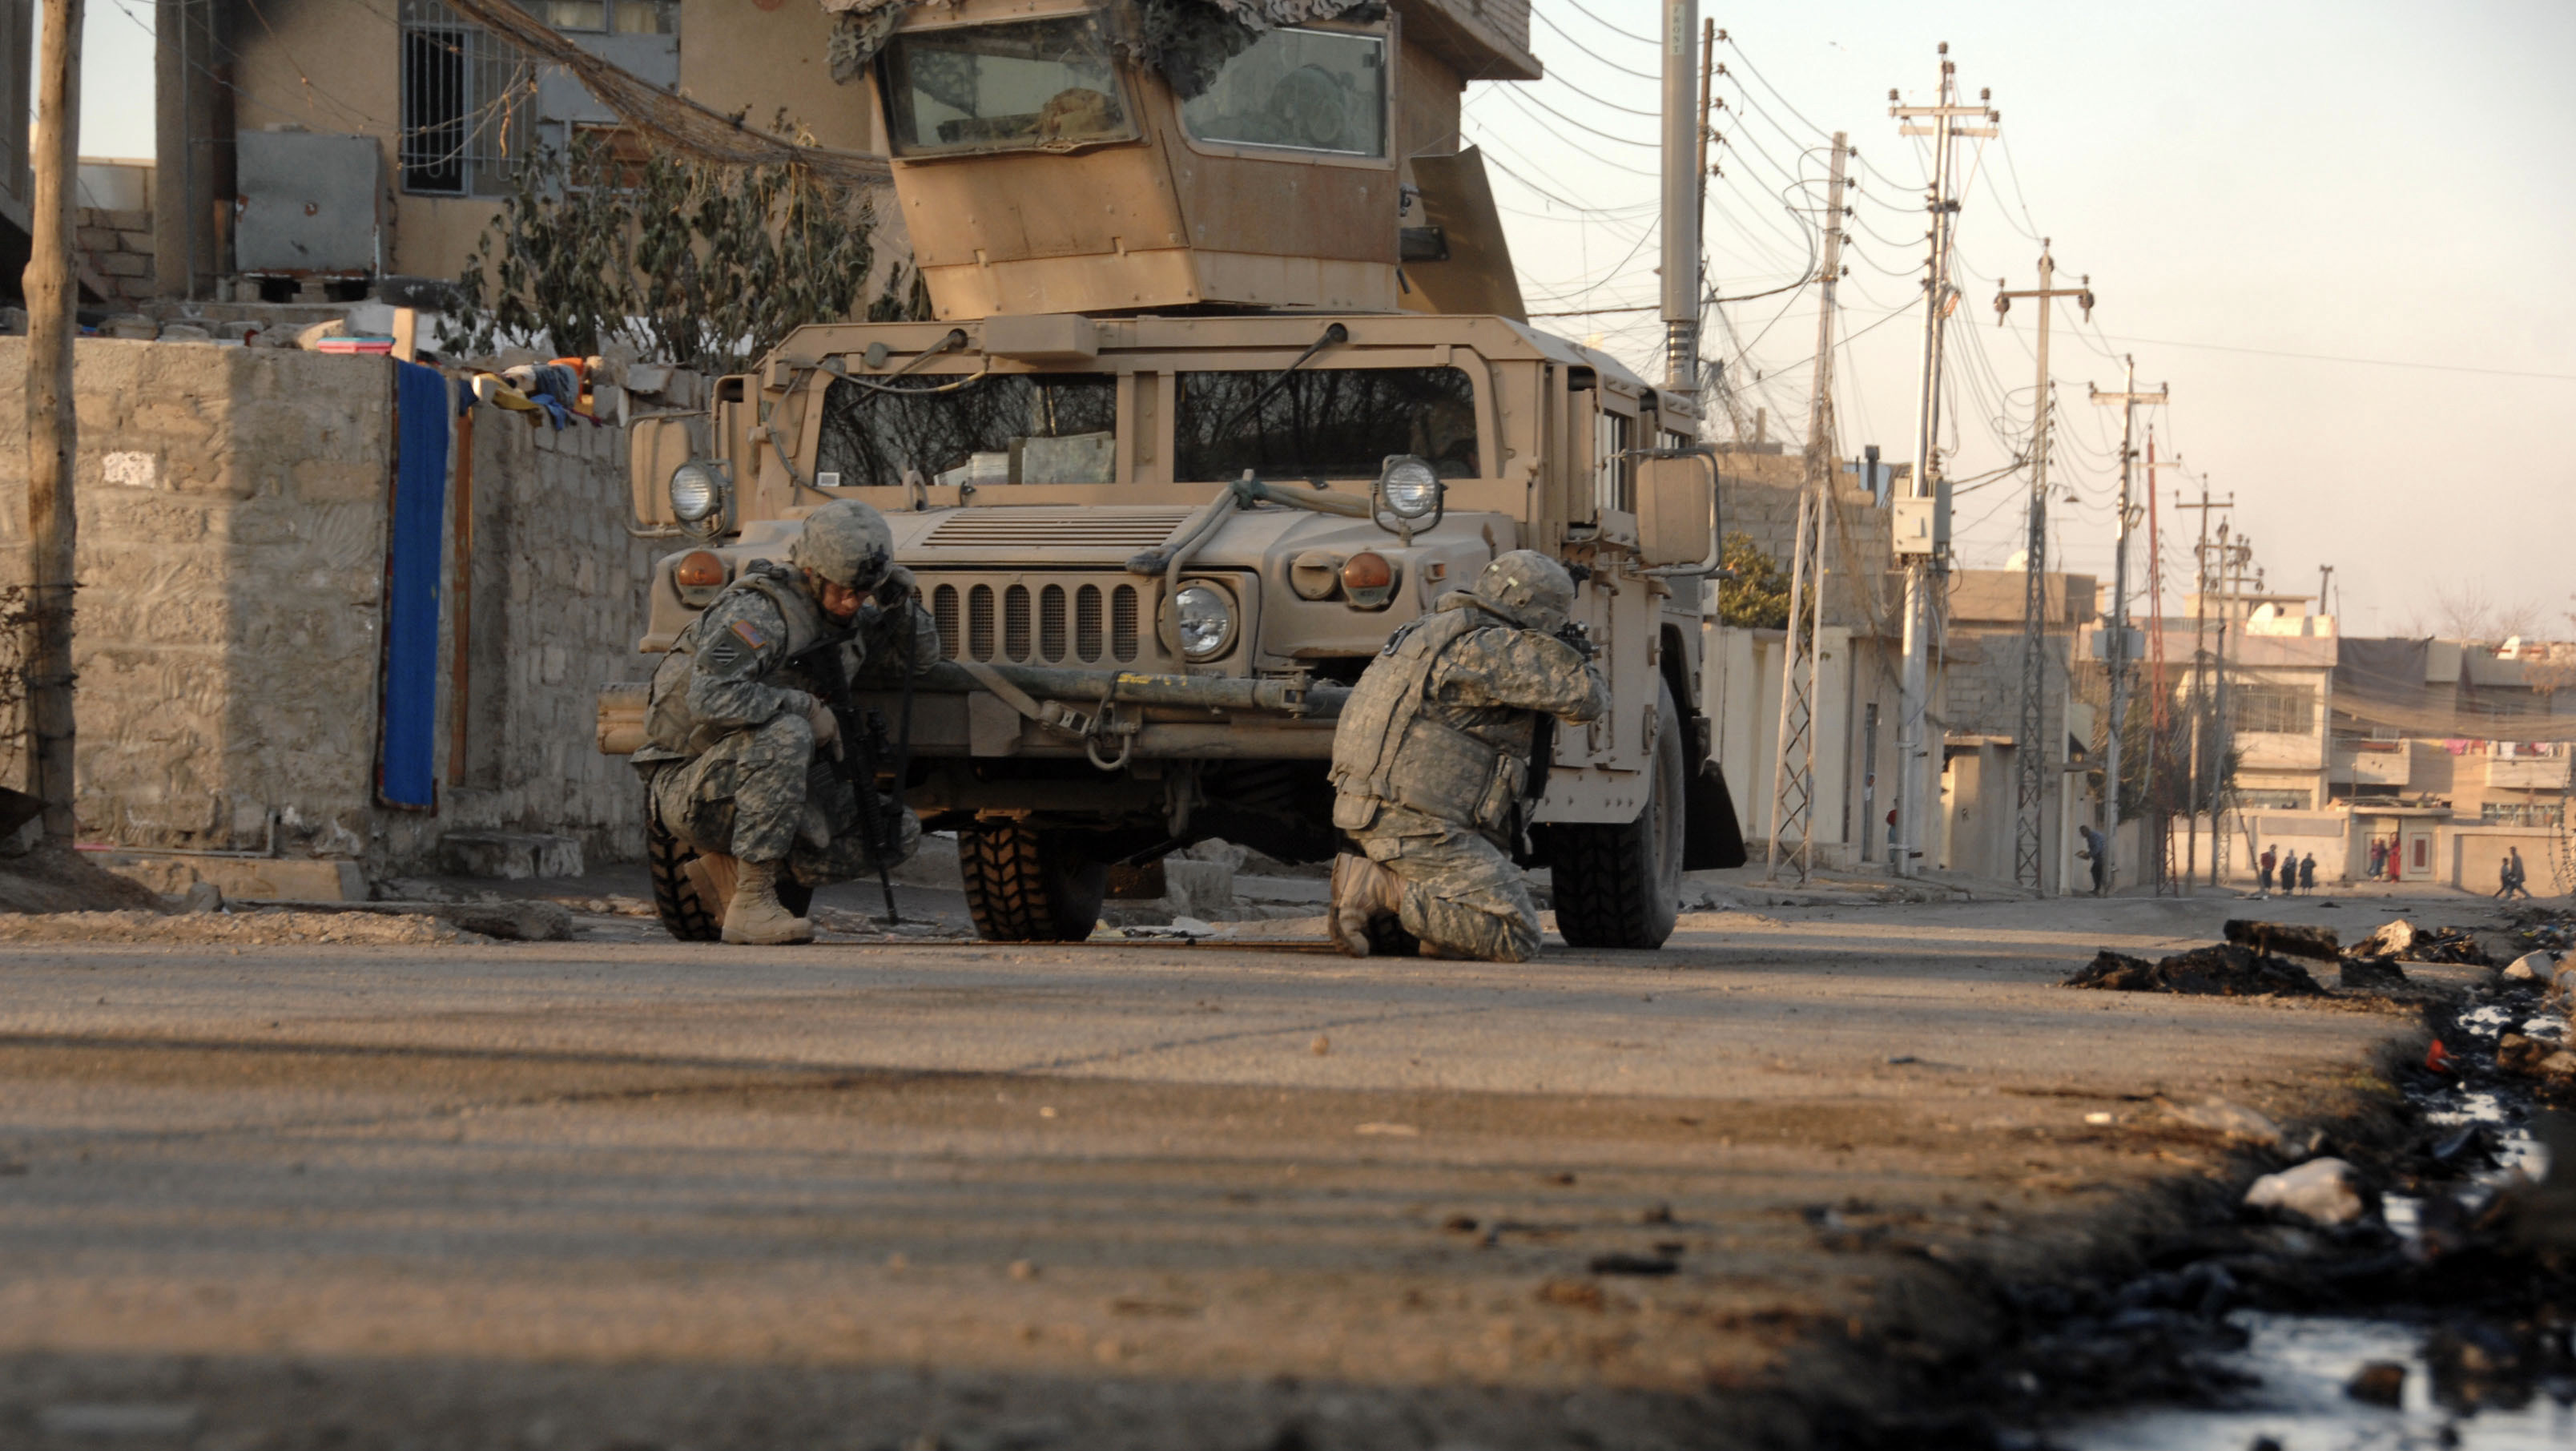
(1363, 891)
(755, 916)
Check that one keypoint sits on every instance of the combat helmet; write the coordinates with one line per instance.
(1527, 588)
(846, 542)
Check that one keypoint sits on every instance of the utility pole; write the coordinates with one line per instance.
(2233, 557)
(1682, 189)
(2030, 756)
(1793, 756)
(53, 429)
(1913, 783)
(2325, 576)
(2159, 719)
(2116, 642)
(2201, 735)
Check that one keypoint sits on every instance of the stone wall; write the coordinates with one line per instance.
(553, 611)
(114, 254)
(232, 512)
(1758, 497)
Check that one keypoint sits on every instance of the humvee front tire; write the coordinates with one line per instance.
(686, 912)
(1620, 885)
(1026, 885)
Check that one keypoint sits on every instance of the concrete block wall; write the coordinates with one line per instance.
(1758, 497)
(231, 564)
(114, 252)
(552, 611)
(232, 515)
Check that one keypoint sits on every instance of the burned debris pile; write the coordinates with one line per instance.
(2263, 959)
(2224, 970)
(2401, 939)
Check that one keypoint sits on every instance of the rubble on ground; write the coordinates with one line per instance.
(2370, 974)
(51, 879)
(263, 929)
(2224, 970)
(2321, 1191)
(512, 920)
(2400, 938)
(2285, 939)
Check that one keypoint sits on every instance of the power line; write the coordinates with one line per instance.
(1606, 25)
(2343, 358)
(1517, 97)
(1587, 50)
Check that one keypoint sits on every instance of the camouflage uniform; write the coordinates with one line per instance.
(1431, 761)
(732, 761)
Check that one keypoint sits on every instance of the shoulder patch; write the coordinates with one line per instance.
(749, 632)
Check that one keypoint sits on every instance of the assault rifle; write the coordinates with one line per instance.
(860, 739)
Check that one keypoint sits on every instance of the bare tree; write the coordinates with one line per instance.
(2467, 612)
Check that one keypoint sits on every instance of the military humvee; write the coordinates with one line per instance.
(1227, 384)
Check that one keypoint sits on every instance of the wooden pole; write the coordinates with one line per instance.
(461, 706)
(53, 430)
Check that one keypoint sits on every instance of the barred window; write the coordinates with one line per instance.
(2275, 800)
(2519, 813)
(2283, 710)
(466, 104)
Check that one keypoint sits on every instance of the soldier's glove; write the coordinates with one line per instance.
(897, 586)
(827, 726)
(1576, 637)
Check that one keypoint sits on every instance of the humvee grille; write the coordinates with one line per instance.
(1042, 527)
(1052, 624)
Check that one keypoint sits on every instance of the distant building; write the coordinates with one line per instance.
(448, 111)
(2447, 753)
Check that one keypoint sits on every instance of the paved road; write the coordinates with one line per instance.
(624, 1193)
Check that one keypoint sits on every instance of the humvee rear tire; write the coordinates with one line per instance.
(1620, 886)
(1026, 885)
(685, 911)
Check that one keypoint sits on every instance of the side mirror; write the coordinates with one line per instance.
(656, 447)
(1676, 508)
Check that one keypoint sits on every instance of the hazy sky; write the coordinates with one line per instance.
(2368, 182)
(2360, 181)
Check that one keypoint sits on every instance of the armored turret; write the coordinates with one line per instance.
(1104, 156)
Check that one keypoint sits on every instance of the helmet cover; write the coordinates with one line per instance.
(1527, 588)
(846, 542)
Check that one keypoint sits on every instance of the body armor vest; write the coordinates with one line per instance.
(669, 724)
(1392, 746)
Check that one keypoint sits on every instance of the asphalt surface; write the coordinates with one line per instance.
(622, 1192)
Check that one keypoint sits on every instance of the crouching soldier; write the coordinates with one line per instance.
(743, 751)
(1432, 758)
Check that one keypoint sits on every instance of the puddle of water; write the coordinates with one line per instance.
(2304, 1362)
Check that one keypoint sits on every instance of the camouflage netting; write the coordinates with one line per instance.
(1189, 41)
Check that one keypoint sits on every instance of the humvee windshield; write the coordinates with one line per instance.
(1309, 90)
(1061, 428)
(1003, 87)
(1330, 423)
(1004, 428)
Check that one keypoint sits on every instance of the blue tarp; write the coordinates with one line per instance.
(408, 774)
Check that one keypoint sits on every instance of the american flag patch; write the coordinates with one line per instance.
(750, 635)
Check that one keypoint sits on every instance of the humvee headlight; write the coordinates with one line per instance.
(1204, 618)
(1408, 486)
(695, 492)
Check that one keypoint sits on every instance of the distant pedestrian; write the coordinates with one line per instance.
(2520, 874)
(2308, 874)
(2378, 859)
(2270, 859)
(2504, 877)
(2094, 846)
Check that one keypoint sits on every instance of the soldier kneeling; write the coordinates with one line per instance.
(742, 747)
(1432, 758)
